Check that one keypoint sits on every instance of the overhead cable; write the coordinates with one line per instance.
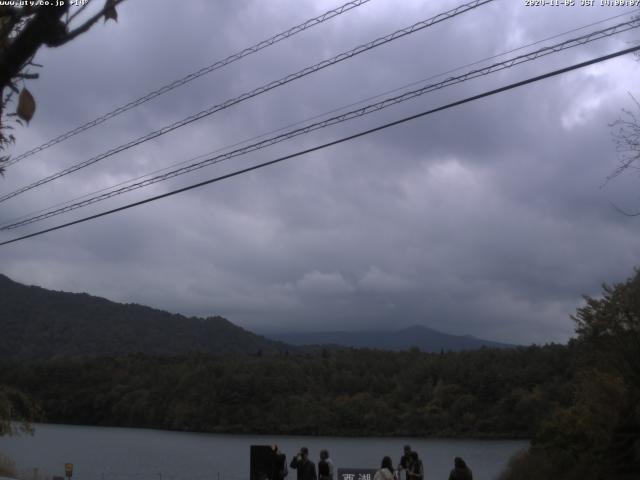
(265, 88)
(582, 40)
(312, 22)
(332, 143)
(308, 119)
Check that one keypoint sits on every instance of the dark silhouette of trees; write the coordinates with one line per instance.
(17, 411)
(484, 393)
(23, 31)
(597, 436)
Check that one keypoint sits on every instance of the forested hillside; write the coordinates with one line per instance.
(486, 393)
(597, 435)
(39, 324)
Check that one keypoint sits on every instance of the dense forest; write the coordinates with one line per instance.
(485, 393)
(596, 436)
(578, 403)
(39, 324)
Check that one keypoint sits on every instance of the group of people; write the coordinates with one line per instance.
(306, 469)
(413, 469)
(409, 468)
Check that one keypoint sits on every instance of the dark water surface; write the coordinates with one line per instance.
(101, 453)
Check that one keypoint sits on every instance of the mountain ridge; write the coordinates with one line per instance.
(424, 338)
(40, 324)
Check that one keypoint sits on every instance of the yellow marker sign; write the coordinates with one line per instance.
(68, 469)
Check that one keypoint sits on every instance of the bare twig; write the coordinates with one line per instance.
(23, 31)
(78, 12)
(90, 22)
(626, 138)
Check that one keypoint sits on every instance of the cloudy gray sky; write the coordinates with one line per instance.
(485, 219)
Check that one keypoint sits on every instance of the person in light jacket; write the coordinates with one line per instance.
(386, 470)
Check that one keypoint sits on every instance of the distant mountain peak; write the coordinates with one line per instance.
(416, 328)
(425, 338)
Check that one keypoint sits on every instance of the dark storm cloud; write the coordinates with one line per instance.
(485, 219)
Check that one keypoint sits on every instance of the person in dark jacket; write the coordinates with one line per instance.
(461, 471)
(415, 471)
(280, 470)
(325, 466)
(405, 462)
(306, 469)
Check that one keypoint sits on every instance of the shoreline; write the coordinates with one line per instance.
(290, 435)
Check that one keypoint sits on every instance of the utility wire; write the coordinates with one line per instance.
(312, 22)
(338, 119)
(590, 37)
(265, 88)
(308, 119)
(335, 142)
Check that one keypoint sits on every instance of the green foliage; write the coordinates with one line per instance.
(596, 436)
(17, 411)
(526, 465)
(588, 425)
(484, 393)
(535, 464)
(608, 330)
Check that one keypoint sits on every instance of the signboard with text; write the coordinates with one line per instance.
(356, 473)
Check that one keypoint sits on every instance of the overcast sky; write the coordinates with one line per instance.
(486, 219)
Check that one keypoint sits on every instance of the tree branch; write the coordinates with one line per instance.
(43, 28)
(78, 11)
(28, 76)
(91, 21)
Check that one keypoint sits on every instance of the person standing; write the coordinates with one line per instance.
(325, 466)
(306, 469)
(415, 471)
(280, 470)
(386, 470)
(461, 471)
(404, 462)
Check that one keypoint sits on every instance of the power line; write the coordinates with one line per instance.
(335, 142)
(339, 119)
(265, 88)
(582, 40)
(312, 22)
(299, 122)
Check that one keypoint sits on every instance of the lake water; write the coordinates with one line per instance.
(137, 454)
